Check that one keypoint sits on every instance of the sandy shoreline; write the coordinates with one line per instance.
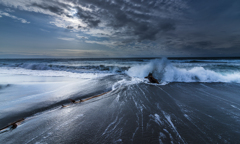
(140, 113)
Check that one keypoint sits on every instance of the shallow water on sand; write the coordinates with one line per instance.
(134, 111)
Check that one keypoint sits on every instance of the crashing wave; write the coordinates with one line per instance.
(164, 71)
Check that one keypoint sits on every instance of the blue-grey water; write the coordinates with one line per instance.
(197, 100)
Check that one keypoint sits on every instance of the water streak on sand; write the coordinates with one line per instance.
(115, 104)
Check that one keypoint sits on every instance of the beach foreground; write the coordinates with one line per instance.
(133, 111)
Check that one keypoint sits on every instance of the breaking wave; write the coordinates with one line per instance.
(164, 71)
(50, 73)
(71, 68)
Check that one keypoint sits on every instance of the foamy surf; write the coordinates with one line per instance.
(135, 111)
(165, 72)
(50, 73)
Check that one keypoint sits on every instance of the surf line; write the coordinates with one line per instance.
(83, 100)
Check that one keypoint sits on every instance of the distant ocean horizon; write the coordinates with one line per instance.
(137, 57)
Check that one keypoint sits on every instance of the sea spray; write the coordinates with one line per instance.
(164, 71)
(187, 70)
(157, 67)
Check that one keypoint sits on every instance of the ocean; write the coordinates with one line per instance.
(197, 100)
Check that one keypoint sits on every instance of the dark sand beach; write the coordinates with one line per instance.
(118, 108)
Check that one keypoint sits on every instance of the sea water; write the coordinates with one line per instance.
(196, 101)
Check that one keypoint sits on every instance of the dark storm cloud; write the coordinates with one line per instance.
(173, 24)
(138, 18)
(93, 23)
(143, 20)
(70, 27)
(89, 18)
(52, 8)
(167, 26)
(203, 44)
(145, 32)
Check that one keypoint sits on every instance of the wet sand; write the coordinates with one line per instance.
(139, 113)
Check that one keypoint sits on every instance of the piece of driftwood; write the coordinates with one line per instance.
(14, 124)
(73, 101)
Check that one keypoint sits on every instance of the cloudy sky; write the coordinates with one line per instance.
(119, 28)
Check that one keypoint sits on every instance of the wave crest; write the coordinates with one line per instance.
(164, 71)
(69, 68)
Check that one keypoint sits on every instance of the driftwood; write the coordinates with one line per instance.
(94, 96)
(73, 101)
(14, 124)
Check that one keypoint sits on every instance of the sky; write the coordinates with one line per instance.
(119, 28)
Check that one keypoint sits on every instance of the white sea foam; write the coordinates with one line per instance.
(164, 71)
(49, 73)
(125, 82)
